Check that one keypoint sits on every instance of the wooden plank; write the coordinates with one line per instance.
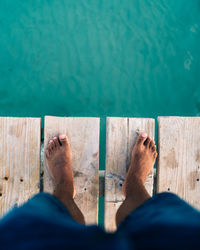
(83, 134)
(179, 157)
(121, 137)
(19, 160)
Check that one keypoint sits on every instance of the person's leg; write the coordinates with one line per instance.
(59, 162)
(143, 158)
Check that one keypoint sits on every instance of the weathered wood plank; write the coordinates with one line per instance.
(179, 157)
(19, 160)
(83, 134)
(121, 137)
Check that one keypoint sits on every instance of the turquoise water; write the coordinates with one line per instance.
(101, 58)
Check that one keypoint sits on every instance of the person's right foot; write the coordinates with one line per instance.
(59, 163)
(142, 160)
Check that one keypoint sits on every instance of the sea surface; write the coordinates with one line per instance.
(138, 58)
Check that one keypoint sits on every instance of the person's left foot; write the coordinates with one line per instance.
(59, 163)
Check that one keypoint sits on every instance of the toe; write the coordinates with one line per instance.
(52, 145)
(63, 139)
(151, 144)
(141, 138)
(49, 146)
(147, 141)
(55, 139)
(155, 155)
(47, 153)
(153, 148)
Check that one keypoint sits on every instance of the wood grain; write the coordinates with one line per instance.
(179, 157)
(83, 134)
(19, 160)
(121, 137)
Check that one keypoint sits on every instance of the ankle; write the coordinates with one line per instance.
(71, 206)
(132, 186)
(138, 194)
(64, 191)
(138, 177)
(63, 196)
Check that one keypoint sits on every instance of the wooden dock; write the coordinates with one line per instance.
(23, 174)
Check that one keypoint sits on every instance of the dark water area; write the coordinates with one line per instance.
(100, 58)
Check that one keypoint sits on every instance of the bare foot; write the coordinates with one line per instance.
(142, 160)
(59, 163)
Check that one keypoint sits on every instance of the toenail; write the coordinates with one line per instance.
(143, 135)
(62, 136)
(55, 138)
